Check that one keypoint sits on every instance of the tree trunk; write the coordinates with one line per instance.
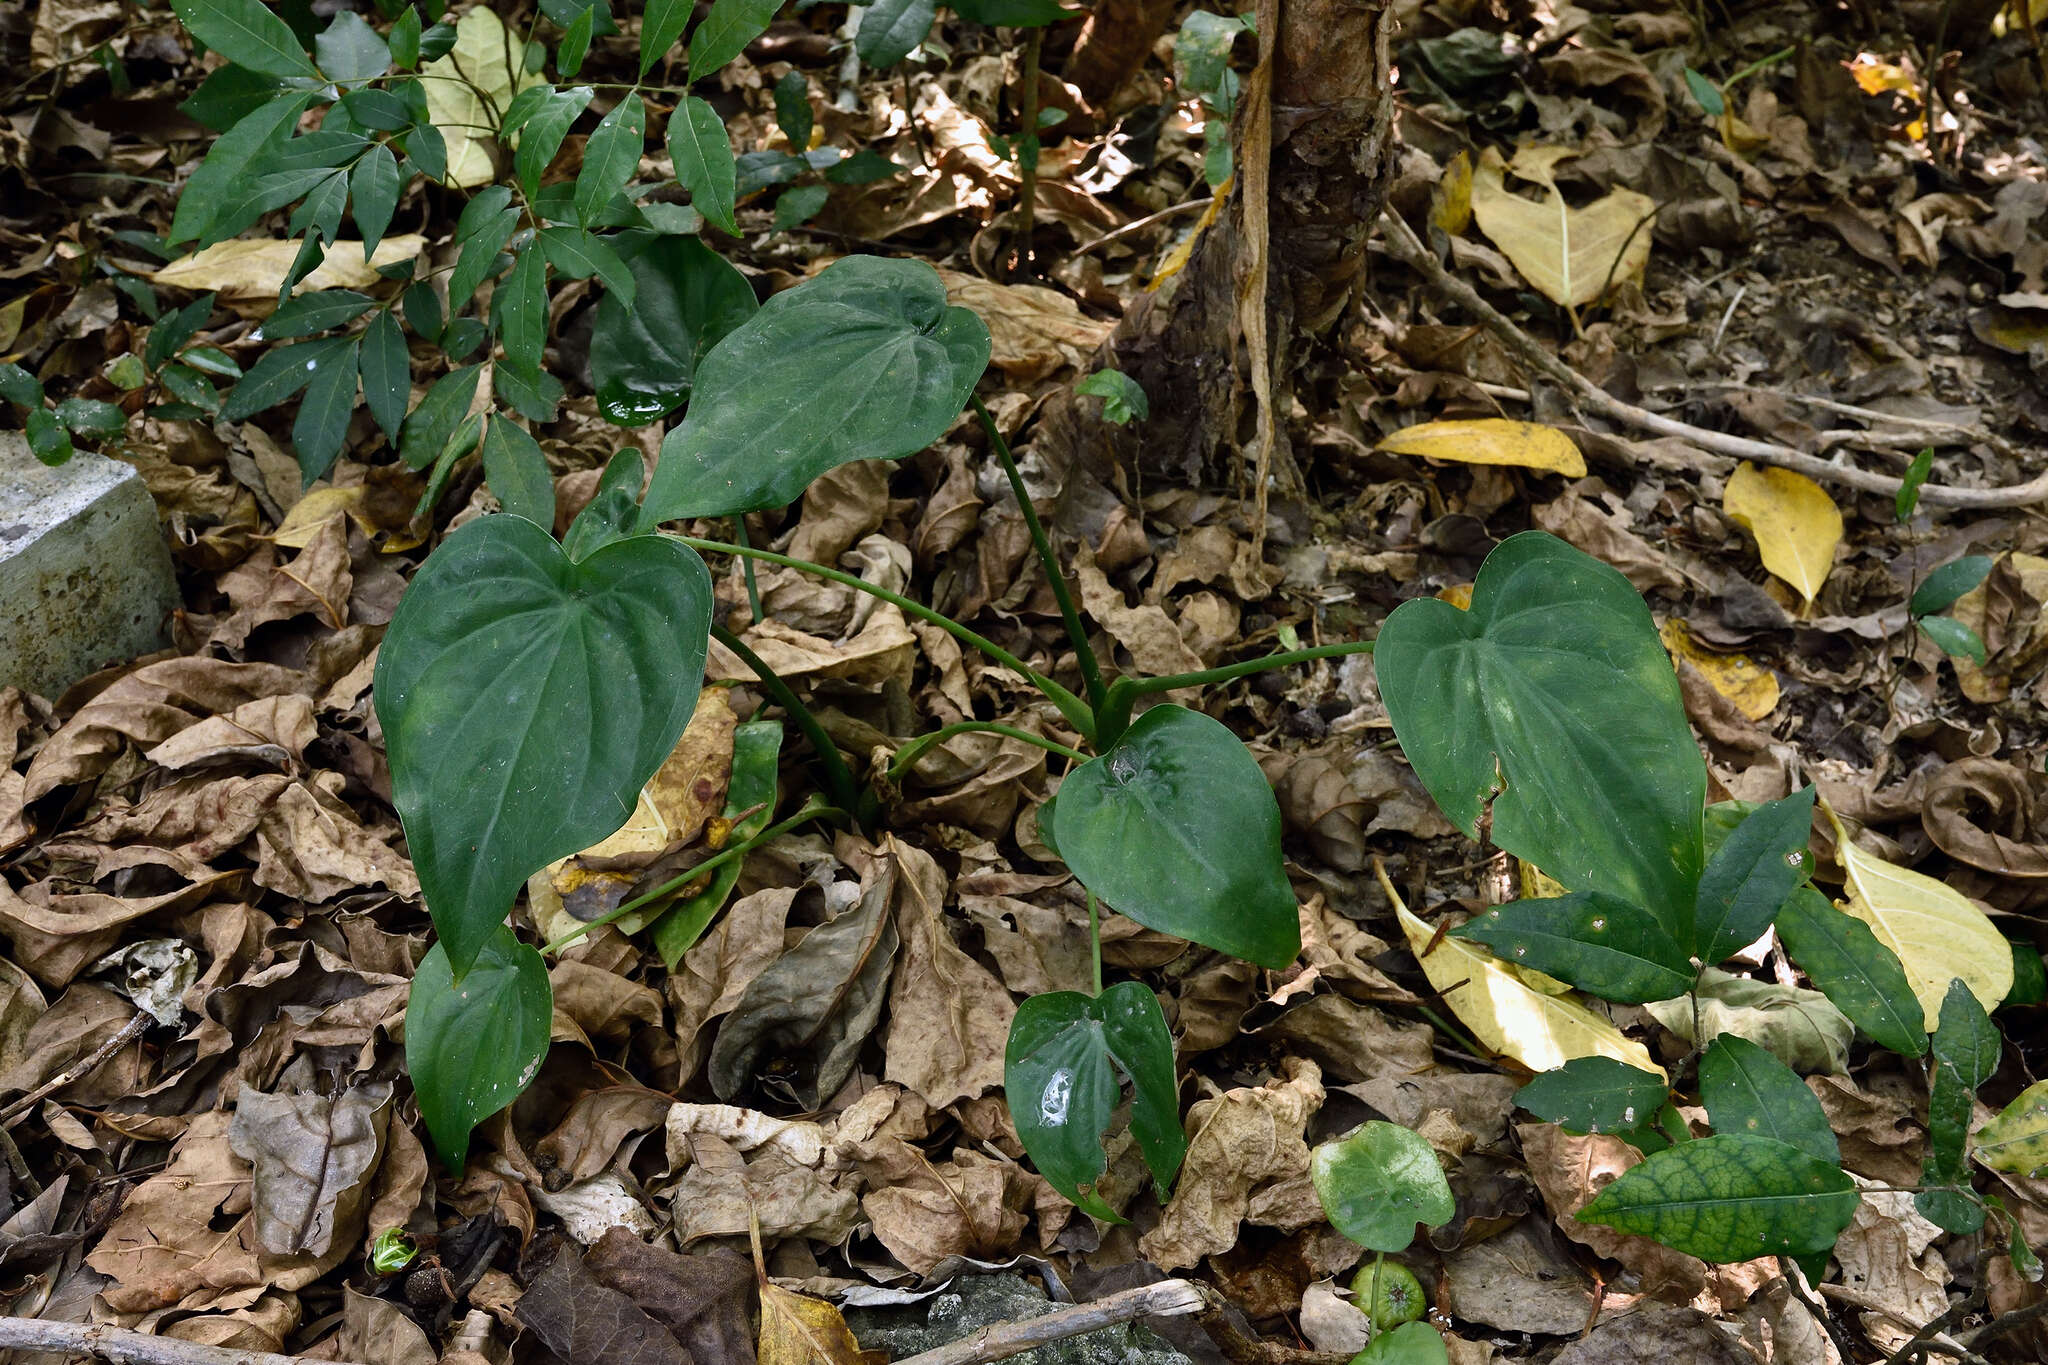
(1331, 131)
(1114, 43)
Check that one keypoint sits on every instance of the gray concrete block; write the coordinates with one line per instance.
(85, 576)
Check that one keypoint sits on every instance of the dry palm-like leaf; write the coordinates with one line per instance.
(1571, 255)
(1796, 525)
(1491, 440)
(1938, 934)
(252, 269)
(1506, 1016)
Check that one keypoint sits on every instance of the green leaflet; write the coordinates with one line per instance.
(517, 472)
(1730, 1197)
(1594, 1095)
(1747, 1090)
(610, 157)
(891, 28)
(1176, 827)
(1859, 975)
(1940, 589)
(1378, 1182)
(525, 699)
(248, 33)
(2017, 1140)
(1966, 1052)
(1604, 946)
(1556, 680)
(725, 32)
(472, 1047)
(865, 361)
(1756, 867)
(1412, 1343)
(704, 162)
(1059, 1073)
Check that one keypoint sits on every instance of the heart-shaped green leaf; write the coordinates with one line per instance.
(472, 1047)
(1747, 1090)
(865, 362)
(1176, 827)
(1059, 1074)
(645, 350)
(1594, 1095)
(1761, 862)
(1859, 975)
(1412, 1343)
(1730, 1197)
(1377, 1183)
(525, 700)
(1602, 945)
(1554, 682)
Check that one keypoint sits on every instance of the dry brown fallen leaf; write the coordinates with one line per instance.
(1571, 255)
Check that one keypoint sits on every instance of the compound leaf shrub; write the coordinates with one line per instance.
(1548, 717)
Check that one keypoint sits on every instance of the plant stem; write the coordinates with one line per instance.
(739, 534)
(1095, 938)
(1027, 154)
(1091, 669)
(916, 749)
(838, 777)
(1077, 712)
(1113, 716)
(812, 810)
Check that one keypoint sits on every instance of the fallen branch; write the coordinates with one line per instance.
(123, 1347)
(1166, 1299)
(1403, 245)
(127, 1034)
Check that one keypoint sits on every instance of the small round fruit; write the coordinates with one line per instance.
(1389, 1294)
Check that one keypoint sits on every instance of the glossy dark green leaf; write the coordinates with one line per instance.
(1940, 589)
(1412, 1343)
(221, 180)
(212, 360)
(517, 472)
(1012, 13)
(426, 151)
(1860, 976)
(473, 1045)
(2029, 977)
(609, 514)
(575, 44)
(541, 135)
(47, 439)
(1600, 944)
(1908, 496)
(423, 310)
(533, 394)
(756, 757)
(277, 374)
(404, 39)
(756, 171)
(660, 27)
(465, 438)
(378, 110)
(725, 32)
(1747, 1090)
(481, 232)
(1176, 827)
(316, 310)
(1378, 1182)
(386, 373)
(91, 417)
(321, 427)
(1594, 1095)
(702, 153)
(350, 52)
(1556, 681)
(1730, 1197)
(525, 701)
(462, 336)
(864, 361)
(644, 356)
(1760, 863)
(1967, 1048)
(1954, 638)
(793, 107)
(248, 33)
(1059, 1075)
(229, 94)
(174, 331)
(610, 157)
(891, 29)
(522, 307)
(190, 386)
(373, 193)
(442, 408)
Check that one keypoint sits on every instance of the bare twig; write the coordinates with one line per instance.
(123, 1347)
(1403, 246)
(1130, 229)
(1166, 1299)
(127, 1034)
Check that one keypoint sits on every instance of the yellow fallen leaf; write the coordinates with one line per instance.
(1184, 249)
(311, 512)
(1938, 935)
(252, 269)
(1450, 205)
(1752, 687)
(1458, 595)
(797, 1329)
(1504, 1013)
(478, 69)
(1491, 440)
(2017, 1140)
(1570, 255)
(1796, 525)
(1738, 137)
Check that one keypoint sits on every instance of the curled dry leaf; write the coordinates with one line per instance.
(1742, 680)
(1886, 1254)
(1987, 812)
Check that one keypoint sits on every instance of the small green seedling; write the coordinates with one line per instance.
(1376, 1184)
(1123, 398)
(1940, 591)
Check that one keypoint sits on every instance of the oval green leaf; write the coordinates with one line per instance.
(1594, 1095)
(1730, 1197)
(1859, 975)
(864, 362)
(525, 700)
(1761, 862)
(1176, 827)
(2017, 1140)
(1380, 1181)
(1414, 1343)
(1602, 945)
(1747, 1090)
(645, 351)
(472, 1045)
(248, 33)
(1555, 680)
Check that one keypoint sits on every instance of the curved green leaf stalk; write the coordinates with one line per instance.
(813, 810)
(838, 777)
(908, 755)
(739, 534)
(1091, 669)
(1113, 716)
(1095, 938)
(1076, 711)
